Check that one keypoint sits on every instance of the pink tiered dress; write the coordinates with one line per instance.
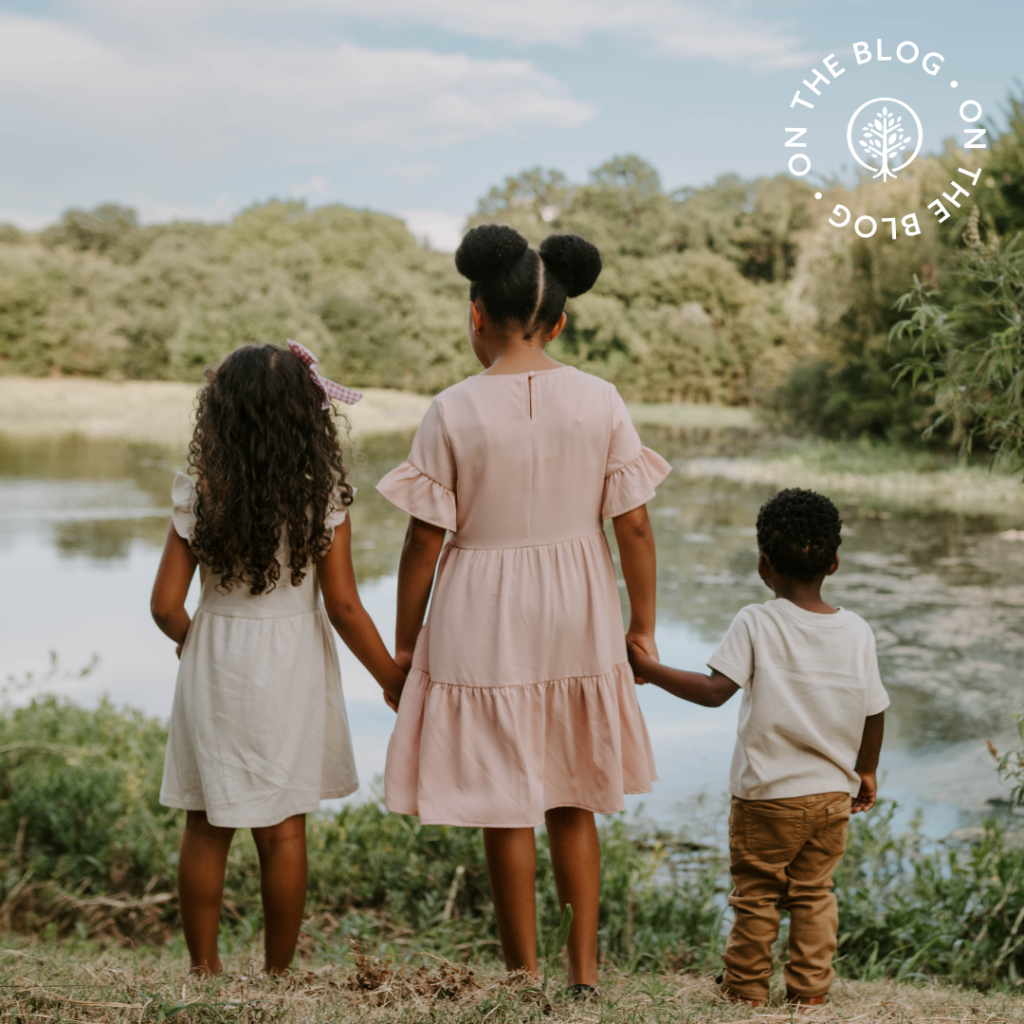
(520, 697)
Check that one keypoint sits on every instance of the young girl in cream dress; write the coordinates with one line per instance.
(520, 707)
(258, 733)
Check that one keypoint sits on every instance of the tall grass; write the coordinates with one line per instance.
(86, 849)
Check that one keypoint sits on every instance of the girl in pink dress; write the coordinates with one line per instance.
(520, 707)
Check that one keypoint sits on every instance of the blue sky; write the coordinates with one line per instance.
(197, 108)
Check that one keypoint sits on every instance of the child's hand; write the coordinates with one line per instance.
(403, 659)
(639, 657)
(865, 799)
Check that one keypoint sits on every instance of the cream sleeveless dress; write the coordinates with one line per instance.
(258, 730)
(520, 697)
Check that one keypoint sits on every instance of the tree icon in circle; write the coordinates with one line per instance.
(885, 136)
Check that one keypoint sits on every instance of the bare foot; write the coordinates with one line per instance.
(207, 970)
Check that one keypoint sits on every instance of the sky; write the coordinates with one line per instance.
(199, 108)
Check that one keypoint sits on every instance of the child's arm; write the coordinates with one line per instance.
(710, 691)
(867, 762)
(420, 552)
(351, 619)
(639, 562)
(173, 578)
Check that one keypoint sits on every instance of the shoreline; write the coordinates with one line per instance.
(159, 411)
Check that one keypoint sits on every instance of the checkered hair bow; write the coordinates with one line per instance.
(328, 387)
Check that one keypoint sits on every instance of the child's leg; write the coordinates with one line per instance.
(283, 869)
(576, 860)
(204, 854)
(512, 869)
(814, 917)
(764, 835)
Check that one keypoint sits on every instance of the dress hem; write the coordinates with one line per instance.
(536, 824)
(186, 804)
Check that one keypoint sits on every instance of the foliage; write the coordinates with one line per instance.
(907, 911)
(968, 346)
(84, 845)
(99, 295)
(737, 293)
(1011, 767)
(81, 820)
(692, 303)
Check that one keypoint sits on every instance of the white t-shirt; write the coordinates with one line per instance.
(809, 680)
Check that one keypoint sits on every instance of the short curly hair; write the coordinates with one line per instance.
(799, 533)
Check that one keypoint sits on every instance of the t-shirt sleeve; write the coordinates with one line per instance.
(424, 485)
(734, 657)
(632, 472)
(877, 700)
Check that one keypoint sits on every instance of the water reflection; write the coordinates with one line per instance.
(82, 522)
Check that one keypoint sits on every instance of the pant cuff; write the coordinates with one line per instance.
(793, 993)
(743, 991)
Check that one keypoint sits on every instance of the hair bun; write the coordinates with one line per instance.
(573, 260)
(487, 250)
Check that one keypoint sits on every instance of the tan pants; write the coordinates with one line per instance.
(782, 854)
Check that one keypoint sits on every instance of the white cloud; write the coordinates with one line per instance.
(223, 208)
(73, 102)
(25, 220)
(728, 34)
(411, 172)
(317, 188)
(439, 229)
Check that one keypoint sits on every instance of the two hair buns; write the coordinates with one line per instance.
(488, 250)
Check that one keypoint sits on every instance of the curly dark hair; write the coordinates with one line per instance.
(798, 532)
(266, 456)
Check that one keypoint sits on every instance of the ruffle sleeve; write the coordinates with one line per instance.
(411, 490)
(183, 501)
(337, 512)
(634, 484)
(424, 485)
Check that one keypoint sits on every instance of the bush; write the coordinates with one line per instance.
(910, 909)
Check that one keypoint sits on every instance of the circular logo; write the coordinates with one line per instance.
(880, 133)
(884, 136)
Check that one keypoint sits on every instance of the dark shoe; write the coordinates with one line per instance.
(727, 993)
(581, 993)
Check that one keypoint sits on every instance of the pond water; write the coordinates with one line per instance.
(82, 524)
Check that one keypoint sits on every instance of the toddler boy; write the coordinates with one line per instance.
(809, 736)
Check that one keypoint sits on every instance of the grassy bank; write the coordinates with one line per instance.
(884, 474)
(156, 412)
(87, 852)
(77, 981)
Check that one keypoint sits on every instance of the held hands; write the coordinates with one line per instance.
(642, 650)
(393, 693)
(865, 799)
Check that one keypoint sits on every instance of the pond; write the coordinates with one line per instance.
(82, 524)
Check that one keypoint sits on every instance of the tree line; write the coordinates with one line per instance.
(737, 293)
